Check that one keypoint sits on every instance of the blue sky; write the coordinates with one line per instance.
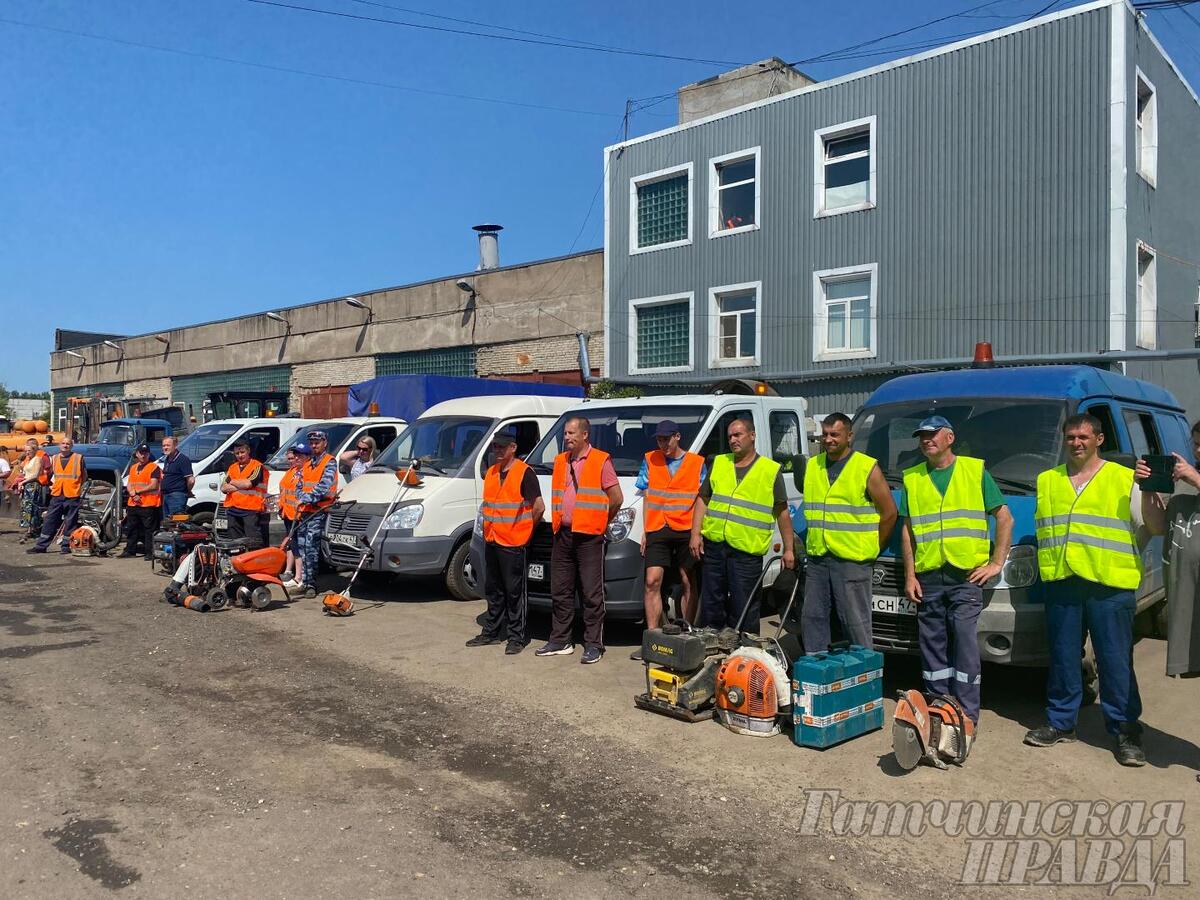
(142, 189)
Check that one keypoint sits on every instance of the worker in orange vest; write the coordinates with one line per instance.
(289, 488)
(69, 473)
(318, 492)
(512, 505)
(669, 480)
(245, 490)
(585, 498)
(141, 515)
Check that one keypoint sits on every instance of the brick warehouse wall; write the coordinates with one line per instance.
(552, 354)
(308, 376)
(158, 388)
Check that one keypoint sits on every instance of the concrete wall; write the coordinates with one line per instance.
(539, 305)
(738, 87)
(159, 388)
(308, 376)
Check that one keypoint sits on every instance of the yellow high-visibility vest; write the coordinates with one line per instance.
(841, 520)
(952, 529)
(742, 513)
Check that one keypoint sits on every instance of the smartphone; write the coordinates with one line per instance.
(1160, 480)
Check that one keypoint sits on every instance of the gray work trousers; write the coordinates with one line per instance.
(836, 585)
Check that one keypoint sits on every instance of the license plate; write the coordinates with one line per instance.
(220, 524)
(537, 571)
(901, 606)
(346, 540)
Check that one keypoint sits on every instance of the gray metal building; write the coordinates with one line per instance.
(1036, 187)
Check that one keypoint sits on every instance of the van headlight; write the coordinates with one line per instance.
(618, 528)
(406, 517)
(1021, 568)
(479, 522)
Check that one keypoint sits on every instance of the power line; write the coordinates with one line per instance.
(495, 37)
(306, 72)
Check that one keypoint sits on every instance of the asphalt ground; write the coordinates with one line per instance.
(155, 751)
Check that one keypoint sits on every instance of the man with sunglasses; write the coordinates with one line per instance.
(512, 506)
(317, 492)
(669, 480)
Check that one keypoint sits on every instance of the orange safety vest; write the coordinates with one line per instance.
(669, 498)
(140, 478)
(253, 499)
(67, 482)
(310, 477)
(287, 493)
(44, 474)
(591, 503)
(507, 520)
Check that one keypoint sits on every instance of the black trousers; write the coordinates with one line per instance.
(728, 577)
(505, 587)
(63, 511)
(140, 524)
(255, 527)
(577, 560)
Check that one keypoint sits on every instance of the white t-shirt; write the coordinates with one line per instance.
(5, 468)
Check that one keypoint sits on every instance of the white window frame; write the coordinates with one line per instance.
(1145, 328)
(649, 178)
(635, 305)
(842, 130)
(821, 353)
(714, 192)
(714, 329)
(1145, 135)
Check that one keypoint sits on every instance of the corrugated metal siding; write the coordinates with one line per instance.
(991, 220)
(190, 389)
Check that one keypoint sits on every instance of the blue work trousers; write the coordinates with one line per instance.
(947, 620)
(727, 581)
(1075, 607)
(306, 541)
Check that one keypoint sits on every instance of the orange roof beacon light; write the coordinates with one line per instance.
(983, 356)
(373, 409)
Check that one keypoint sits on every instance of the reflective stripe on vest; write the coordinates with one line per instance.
(66, 479)
(507, 519)
(140, 477)
(253, 499)
(669, 498)
(310, 477)
(591, 502)
(950, 529)
(287, 493)
(1089, 534)
(741, 514)
(840, 519)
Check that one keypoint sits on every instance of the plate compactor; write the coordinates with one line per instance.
(681, 669)
(930, 728)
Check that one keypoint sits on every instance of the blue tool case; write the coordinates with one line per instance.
(836, 695)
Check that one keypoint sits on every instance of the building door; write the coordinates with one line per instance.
(326, 403)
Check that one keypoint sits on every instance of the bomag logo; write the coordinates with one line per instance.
(662, 648)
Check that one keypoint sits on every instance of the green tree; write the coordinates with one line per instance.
(606, 390)
(3, 401)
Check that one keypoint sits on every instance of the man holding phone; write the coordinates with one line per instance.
(1178, 517)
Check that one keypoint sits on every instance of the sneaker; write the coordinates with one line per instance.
(636, 655)
(513, 648)
(552, 649)
(1129, 750)
(483, 640)
(1048, 736)
(591, 655)
(291, 585)
(36, 550)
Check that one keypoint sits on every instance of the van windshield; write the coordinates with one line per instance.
(337, 432)
(624, 432)
(205, 440)
(442, 444)
(1017, 439)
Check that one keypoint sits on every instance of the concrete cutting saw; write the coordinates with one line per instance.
(933, 729)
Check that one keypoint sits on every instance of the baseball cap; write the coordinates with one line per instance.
(504, 436)
(142, 448)
(302, 448)
(317, 436)
(666, 428)
(932, 424)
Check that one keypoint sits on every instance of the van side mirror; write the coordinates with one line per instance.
(799, 462)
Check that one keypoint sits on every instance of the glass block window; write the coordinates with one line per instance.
(662, 334)
(439, 361)
(661, 204)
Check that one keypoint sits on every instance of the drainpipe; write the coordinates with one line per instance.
(585, 365)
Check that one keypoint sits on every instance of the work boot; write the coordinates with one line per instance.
(513, 648)
(1048, 736)
(36, 550)
(127, 554)
(483, 640)
(1129, 750)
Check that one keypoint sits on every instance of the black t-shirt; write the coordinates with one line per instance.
(530, 489)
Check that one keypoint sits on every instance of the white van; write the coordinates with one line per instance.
(210, 448)
(625, 429)
(429, 531)
(343, 434)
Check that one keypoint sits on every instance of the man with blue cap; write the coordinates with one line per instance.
(948, 558)
(317, 492)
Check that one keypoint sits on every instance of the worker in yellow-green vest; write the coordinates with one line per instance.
(740, 504)
(850, 515)
(949, 557)
(1089, 562)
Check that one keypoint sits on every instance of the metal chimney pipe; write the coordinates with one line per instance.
(489, 246)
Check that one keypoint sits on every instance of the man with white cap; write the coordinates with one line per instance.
(948, 558)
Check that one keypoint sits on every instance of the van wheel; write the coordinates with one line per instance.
(203, 518)
(460, 575)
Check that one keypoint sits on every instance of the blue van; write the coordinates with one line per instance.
(1011, 418)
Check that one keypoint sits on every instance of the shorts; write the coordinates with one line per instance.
(668, 549)
(288, 524)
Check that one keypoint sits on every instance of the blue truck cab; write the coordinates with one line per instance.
(109, 455)
(1011, 418)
